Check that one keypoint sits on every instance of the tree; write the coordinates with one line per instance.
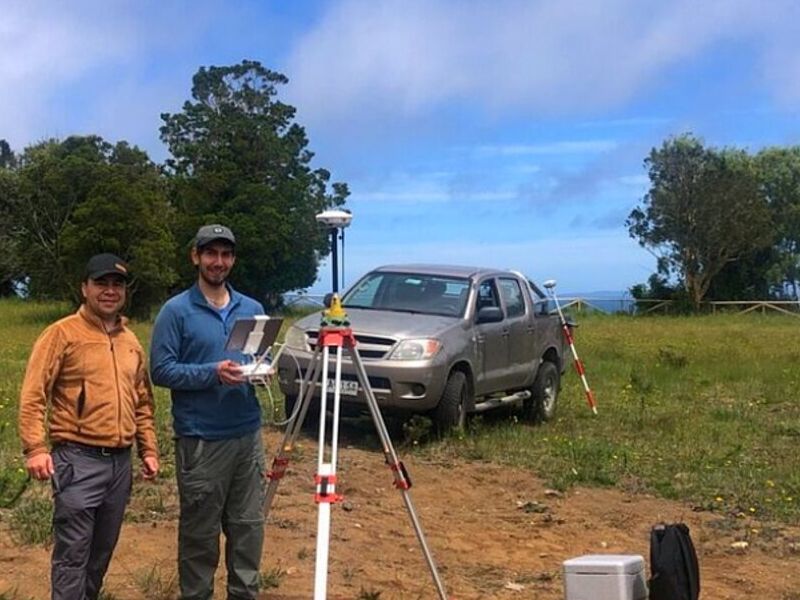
(752, 277)
(704, 210)
(7, 158)
(127, 213)
(239, 158)
(10, 270)
(779, 177)
(83, 196)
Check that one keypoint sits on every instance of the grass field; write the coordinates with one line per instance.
(702, 409)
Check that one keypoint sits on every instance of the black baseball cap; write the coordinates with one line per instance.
(211, 233)
(106, 264)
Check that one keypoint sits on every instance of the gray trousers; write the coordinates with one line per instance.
(222, 485)
(90, 492)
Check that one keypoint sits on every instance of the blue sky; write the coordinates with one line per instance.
(501, 133)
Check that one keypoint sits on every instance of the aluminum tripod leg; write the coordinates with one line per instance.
(326, 472)
(325, 479)
(401, 479)
(281, 460)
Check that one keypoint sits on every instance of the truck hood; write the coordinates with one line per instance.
(385, 323)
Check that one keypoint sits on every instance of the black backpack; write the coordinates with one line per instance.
(675, 574)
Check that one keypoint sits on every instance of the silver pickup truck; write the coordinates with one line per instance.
(443, 341)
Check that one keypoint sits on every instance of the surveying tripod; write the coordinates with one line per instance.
(335, 333)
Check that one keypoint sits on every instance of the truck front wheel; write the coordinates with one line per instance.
(451, 412)
(541, 406)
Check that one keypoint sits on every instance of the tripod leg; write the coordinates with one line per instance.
(401, 479)
(281, 460)
(326, 475)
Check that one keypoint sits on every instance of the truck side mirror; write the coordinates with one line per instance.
(490, 314)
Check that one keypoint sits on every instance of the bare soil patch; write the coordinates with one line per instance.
(490, 528)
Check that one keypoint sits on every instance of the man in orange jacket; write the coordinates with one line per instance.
(91, 370)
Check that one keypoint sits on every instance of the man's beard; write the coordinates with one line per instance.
(214, 281)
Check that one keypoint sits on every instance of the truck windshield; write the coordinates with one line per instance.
(410, 292)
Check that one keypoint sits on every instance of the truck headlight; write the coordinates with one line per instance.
(295, 339)
(416, 349)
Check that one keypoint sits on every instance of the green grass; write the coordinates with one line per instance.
(156, 584)
(31, 519)
(26, 504)
(21, 323)
(701, 409)
(271, 579)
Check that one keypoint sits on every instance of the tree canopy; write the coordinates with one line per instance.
(778, 171)
(71, 199)
(238, 158)
(10, 269)
(705, 210)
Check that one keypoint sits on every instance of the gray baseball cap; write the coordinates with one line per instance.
(210, 233)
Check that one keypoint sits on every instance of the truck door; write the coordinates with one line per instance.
(492, 343)
(520, 331)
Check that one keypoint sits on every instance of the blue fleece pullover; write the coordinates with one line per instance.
(188, 342)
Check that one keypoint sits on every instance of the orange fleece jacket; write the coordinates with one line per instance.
(96, 384)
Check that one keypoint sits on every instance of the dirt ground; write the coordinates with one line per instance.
(495, 532)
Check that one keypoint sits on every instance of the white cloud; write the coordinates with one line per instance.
(44, 47)
(549, 57)
(93, 67)
(420, 196)
(563, 147)
(637, 122)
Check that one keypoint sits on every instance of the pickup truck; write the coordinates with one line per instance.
(443, 341)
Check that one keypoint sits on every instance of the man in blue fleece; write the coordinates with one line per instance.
(219, 457)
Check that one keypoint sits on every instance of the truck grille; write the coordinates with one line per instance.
(370, 347)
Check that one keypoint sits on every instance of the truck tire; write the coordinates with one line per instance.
(541, 406)
(451, 412)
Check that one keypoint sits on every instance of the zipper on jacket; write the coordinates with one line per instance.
(116, 380)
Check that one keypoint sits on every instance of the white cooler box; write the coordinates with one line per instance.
(605, 577)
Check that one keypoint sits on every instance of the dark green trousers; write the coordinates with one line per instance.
(222, 485)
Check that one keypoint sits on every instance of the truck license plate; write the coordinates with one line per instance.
(346, 388)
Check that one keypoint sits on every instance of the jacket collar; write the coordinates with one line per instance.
(97, 322)
(197, 297)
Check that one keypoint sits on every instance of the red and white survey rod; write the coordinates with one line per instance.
(550, 284)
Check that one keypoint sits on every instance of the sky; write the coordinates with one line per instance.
(498, 133)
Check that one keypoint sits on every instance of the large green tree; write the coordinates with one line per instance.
(239, 158)
(779, 177)
(704, 210)
(74, 198)
(10, 269)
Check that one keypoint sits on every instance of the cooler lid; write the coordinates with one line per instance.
(605, 563)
